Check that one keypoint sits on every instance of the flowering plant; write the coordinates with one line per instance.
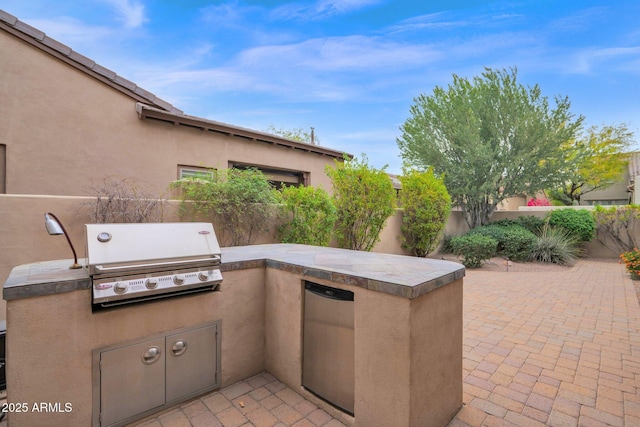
(631, 260)
(538, 202)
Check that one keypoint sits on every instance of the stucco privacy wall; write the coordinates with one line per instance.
(65, 130)
(240, 303)
(24, 239)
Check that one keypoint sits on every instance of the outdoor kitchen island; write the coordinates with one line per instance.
(407, 331)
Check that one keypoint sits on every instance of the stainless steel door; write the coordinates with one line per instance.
(191, 362)
(328, 345)
(132, 380)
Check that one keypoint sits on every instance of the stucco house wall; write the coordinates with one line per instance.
(67, 123)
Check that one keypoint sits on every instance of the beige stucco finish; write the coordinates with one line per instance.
(50, 340)
(65, 130)
(408, 352)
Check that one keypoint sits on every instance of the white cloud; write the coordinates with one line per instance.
(428, 21)
(131, 12)
(72, 32)
(321, 9)
(611, 59)
(340, 54)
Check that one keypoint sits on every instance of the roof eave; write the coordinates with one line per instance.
(148, 112)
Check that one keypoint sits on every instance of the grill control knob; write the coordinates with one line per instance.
(151, 283)
(178, 279)
(120, 287)
(203, 276)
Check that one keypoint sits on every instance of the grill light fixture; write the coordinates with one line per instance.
(55, 228)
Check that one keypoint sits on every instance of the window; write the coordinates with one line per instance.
(278, 177)
(193, 172)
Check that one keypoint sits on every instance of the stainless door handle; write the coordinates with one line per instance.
(151, 355)
(179, 347)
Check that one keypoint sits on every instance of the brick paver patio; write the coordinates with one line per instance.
(550, 347)
(556, 348)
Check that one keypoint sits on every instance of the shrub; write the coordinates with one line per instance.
(555, 245)
(506, 222)
(631, 261)
(311, 216)
(513, 240)
(577, 222)
(121, 201)
(532, 223)
(446, 247)
(426, 205)
(364, 198)
(538, 202)
(474, 248)
(493, 230)
(239, 202)
(517, 243)
(617, 227)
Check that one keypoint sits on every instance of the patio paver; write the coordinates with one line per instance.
(557, 348)
(554, 347)
(259, 401)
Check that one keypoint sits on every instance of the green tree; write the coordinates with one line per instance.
(426, 205)
(310, 214)
(593, 162)
(492, 138)
(364, 198)
(240, 202)
(296, 134)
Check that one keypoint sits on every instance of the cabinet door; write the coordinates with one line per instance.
(132, 380)
(191, 362)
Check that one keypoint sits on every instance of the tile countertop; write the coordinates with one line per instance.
(404, 276)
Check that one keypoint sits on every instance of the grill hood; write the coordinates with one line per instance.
(120, 247)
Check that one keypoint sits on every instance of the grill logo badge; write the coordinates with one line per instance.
(103, 286)
(204, 232)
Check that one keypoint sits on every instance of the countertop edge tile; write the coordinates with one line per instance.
(404, 276)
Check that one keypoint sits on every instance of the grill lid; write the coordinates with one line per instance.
(118, 247)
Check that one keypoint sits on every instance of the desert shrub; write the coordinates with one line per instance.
(426, 205)
(532, 223)
(577, 222)
(122, 201)
(240, 203)
(506, 222)
(631, 261)
(446, 247)
(310, 216)
(517, 243)
(474, 248)
(513, 241)
(364, 198)
(555, 245)
(493, 230)
(618, 227)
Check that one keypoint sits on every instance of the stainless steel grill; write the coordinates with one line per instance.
(131, 263)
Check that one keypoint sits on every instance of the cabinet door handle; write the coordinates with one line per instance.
(151, 355)
(179, 347)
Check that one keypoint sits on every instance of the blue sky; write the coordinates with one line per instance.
(351, 68)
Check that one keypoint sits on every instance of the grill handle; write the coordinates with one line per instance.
(205, 262)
